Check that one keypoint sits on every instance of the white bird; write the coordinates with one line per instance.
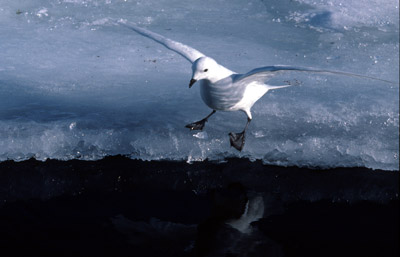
(225, 90)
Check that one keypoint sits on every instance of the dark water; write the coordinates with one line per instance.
(122, 207)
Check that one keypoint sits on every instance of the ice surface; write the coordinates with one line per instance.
(73, 85)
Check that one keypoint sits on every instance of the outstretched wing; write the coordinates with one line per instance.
(187, 52)
(263, 74)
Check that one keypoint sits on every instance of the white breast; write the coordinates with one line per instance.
(222, 95)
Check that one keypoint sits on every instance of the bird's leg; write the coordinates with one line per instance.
(237, 139)
(199, 125)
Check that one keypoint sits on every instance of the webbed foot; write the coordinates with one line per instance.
(198, 125)
(237, 140)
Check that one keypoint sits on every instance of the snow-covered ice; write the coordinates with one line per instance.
(73, 85)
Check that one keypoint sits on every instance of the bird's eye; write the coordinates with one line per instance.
(205, 70)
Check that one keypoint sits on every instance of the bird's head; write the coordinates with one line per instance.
(204, 68)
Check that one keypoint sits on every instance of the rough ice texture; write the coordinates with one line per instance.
(73, 85)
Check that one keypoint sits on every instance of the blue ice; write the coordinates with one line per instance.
(73, 85)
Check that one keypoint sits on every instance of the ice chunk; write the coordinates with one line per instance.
(201, 135)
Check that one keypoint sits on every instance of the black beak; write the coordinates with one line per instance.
(192, 81)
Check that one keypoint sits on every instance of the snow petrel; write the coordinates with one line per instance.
(225, 90)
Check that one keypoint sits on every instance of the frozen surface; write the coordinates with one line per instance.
(72, 85)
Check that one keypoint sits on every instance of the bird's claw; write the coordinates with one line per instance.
(198, 125)
(237, 140)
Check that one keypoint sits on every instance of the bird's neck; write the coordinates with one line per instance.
(220, 73)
